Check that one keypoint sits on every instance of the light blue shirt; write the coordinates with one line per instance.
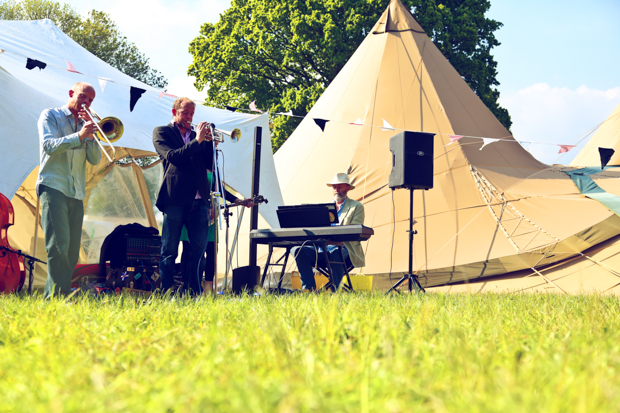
(340, 213)
(62, 156)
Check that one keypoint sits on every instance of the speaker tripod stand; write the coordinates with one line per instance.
(410, 277)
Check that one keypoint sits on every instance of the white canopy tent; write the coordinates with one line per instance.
(25, 93)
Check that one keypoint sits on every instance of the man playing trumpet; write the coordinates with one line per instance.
(183, 198)
(66, 143)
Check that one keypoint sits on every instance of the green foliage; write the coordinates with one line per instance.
(63, 15)
(347, 353)
(97, 33)
(284, 54)
(100, 36)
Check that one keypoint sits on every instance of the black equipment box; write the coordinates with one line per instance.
(142, 250)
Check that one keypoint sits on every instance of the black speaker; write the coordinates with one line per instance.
(412, 160)
(245, 279)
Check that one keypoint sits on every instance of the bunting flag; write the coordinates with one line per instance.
(1, 51)
(32, 63)
(289, 113)
(103, 81)
(606, 154)
(231, 108)
(162, 94)
(454, 138)
(487, 141)
(525, 145)
(135, 94)
(386, 126)
(565, 148)
(70, 67)
(358, 122)
(253, 107)
(321, 123)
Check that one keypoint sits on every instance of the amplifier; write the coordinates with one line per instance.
(142, 250)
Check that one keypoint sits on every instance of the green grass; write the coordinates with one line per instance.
(347, 352)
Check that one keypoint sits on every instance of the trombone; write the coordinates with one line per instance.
(110, 130)
(218, 134)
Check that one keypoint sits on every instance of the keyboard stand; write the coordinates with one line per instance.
(277, 264)
(322, 244)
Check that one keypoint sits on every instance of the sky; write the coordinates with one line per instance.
(558, 62)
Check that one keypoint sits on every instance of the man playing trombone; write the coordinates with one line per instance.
(66, 143)
(184, 196)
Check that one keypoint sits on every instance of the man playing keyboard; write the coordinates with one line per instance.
(350, 212)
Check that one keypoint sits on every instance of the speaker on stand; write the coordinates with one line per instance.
(412, 168)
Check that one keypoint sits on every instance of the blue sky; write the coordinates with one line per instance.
(558, 69)
(558, 64)
(564, 43)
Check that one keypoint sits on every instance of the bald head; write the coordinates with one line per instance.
(80, 94)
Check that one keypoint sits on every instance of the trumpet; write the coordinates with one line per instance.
(110, 130)
(218, 134)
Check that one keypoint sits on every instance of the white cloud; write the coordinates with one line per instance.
(553, 115)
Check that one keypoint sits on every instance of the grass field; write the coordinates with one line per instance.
(347, 352)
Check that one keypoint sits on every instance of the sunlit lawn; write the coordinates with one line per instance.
(346, 352)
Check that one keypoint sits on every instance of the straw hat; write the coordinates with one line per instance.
(340, 178)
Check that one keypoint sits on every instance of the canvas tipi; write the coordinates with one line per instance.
(494, 209)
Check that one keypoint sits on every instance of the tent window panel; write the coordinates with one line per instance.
(114, 201)
(153, 178)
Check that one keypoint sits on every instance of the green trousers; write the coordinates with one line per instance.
(61, 218)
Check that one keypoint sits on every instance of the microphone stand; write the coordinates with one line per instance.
(31, 261)
(227, 215)
(217, 194)
(234, 245)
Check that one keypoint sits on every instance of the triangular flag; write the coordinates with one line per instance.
(103, 81)
(231, 108)
(606, 154)
(565, 148)
(253, 107)
(1, 51)
(32, 63)
(386, 126)
(135, 94)
(454, 138)
(289, 113)
(321, 123)
(162, 94)
(70, 67)
(525, 145)
(358, 122)
(487, 141)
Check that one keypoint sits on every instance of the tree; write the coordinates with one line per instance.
(97, 33)
(284, 54)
